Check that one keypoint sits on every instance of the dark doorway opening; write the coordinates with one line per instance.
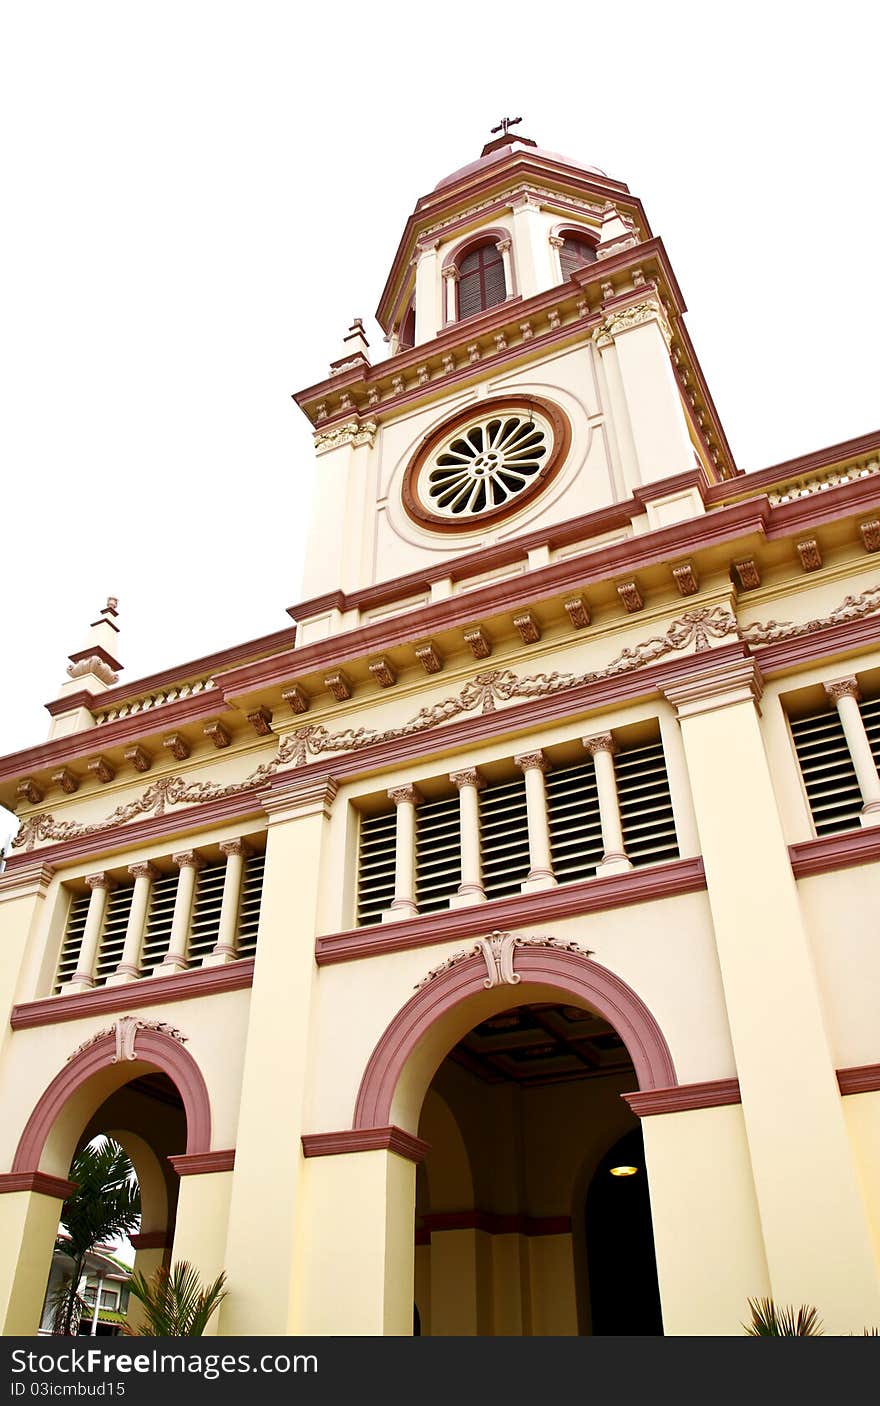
(624, 1295)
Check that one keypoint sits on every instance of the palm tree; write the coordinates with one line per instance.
(768, 1321)
(175, 1303)
(106, 1203)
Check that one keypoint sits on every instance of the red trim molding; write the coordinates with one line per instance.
(835, 851)
(390, 1138)
(566, 901)
(152, 1047)
(150, 1240)
(684, 1097)
(859, 1079)
(137, 995)
(37, 1181)
(572, 973)
(493, 1224)
(196, 1163)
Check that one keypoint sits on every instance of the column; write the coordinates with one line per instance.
(175, 959)
(403, 905)
(450, 278)
(151, 1252)
(556, 242)
(540, 876)
(813, 1219)
(200, 1227)
(469, 783)
(358, 1263)
(503, 246)
(83, 978)
(601, 748)
(129, 968)
(264, 1269)
(225, 949)
(429, 312)
(653, 406)
(845, 695)
(28, 1224)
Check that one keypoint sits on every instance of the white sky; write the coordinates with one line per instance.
(198, 197)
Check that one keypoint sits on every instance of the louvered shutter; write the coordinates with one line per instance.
(113, 935)
(504, 831)
(649, 835)
(575, 254)
(376, 866)
(826, 766)
(438, 853)
(73, 936)
(481, 281)
(251, 896)
(206, 911)
(870, 711)
(575, 825)
(158, 929)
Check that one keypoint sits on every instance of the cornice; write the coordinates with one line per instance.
(136, 995)
(683, 1098)
(859, 1079)
(150, 1240)
(24, 880)
(41, 1182)
(832, 852)
(198, 1163)
(390, 1139)
(567, 901)
(759, 480)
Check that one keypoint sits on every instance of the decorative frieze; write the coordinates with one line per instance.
(139, 758)
(478, 642)
(383, 672)
(217, 733)
(578, 612)
(177, 745)
(353, 432)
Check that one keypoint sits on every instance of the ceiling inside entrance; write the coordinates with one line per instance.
(542, 1044)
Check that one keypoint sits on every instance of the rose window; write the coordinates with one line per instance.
(482, 467)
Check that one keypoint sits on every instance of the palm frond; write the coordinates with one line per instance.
(770, 1321)
(175, 1303)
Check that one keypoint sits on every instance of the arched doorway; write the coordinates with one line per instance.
(624, 1294)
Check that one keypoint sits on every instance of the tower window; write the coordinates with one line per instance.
(408, 330)
(481, 282)
(575, 253)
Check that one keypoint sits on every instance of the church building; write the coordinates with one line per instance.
(492, 950)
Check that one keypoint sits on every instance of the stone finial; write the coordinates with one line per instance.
(95, 665)
(355, 349)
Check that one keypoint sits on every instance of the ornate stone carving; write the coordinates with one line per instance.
(500, 341)
(429, 657)
(870, 534)
(188, 859)
(101, 769)
(821, 483)
(402, 794)
(217, 733)
(631, 596)
(144, 870)
(448, 364)
(473, 351)
(98, 881)
(354, 432)
(553, 319)
(578, 612)
(556, 241)
(685, 578)
(177, 745)
(600, 742)
(478, 642)
(126, 1029)
(139, 758)
(651, 310)
(526, 331)
(527, 626)
(67, 780)
(397, 385)
(383, 672)
(237, 847)
(422, 375)
(468, 776)
(28, 790)
(260, 720)
(297, 699)
(338, 685)
(809, 553)
(498, 951)
(532, 761)
(93, 665)
(747, 574)
(842, 688)
(451, 272)
(851, 608)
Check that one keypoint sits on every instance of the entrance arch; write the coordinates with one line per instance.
(444, 1009)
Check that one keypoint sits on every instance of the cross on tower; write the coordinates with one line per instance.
(505, 125)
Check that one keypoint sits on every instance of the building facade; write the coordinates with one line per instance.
(493, 950)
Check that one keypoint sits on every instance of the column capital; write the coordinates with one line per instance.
(599, 742)
(739, 681)
(236, 847)
(400, 794)
(188, 859)
(468, 776)
(145, 870)
(99, 881)
(502, 245)
(451, 271)
(532, 761)
(843, 688)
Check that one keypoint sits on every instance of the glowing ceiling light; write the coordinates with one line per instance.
(624, 1171)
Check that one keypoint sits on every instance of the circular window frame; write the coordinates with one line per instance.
(474, 414)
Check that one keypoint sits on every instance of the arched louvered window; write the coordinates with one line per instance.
(480, 280)
(408, 330)
(575, 254)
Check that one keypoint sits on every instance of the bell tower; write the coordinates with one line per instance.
(540, 382)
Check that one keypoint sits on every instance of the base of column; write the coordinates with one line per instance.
(871, 814)
(467, 895)
(77, 985)
(219, 957)
(401, 908)
(166, 968)
(122, 976)
(538, 880)
(613, 864)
